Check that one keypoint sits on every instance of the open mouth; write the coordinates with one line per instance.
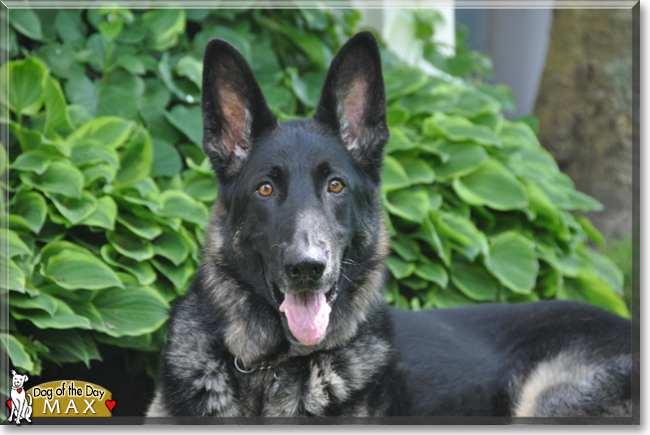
(307, 313)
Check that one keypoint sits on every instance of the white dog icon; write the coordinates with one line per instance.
(19, 406)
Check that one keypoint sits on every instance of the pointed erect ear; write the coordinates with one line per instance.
(234, 110)
(353, 101)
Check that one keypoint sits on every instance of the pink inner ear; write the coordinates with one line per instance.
(235, 134)
(354, 105)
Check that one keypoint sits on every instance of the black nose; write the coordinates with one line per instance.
(305, 267)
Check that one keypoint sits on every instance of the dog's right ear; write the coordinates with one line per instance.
(13, 372)
(234, 110)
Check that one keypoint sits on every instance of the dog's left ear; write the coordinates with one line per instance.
(353, 101)
(25, 378)
(234, 110)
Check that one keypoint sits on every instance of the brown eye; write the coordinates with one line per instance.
(265, 189)
(335, 186)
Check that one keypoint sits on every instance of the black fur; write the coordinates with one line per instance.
(306, 239)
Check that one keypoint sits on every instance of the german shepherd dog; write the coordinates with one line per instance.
(286, 316)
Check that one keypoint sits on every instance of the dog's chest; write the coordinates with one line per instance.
(305, 388)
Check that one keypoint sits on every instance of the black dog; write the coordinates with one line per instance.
(286, 316)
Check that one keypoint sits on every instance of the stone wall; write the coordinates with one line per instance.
(584, 106)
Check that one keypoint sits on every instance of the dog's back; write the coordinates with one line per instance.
(541, 359)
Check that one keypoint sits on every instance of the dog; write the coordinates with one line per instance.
(286, 315)
(20, 407)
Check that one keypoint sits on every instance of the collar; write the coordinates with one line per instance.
(264, 365)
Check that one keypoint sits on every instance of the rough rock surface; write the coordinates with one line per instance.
(584, 105)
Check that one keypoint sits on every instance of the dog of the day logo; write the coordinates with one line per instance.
(20, 404)
(60, 399)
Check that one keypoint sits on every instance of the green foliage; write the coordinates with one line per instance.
(109, 190)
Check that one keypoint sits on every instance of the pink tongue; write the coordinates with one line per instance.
(308, 315)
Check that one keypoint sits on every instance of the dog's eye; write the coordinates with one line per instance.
(335, 186)
(265, 189)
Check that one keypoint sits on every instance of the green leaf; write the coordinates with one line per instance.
(417, 170)
(135, 159)
(398, 141)
(132, 311)
(458, 129)
(59, 177)
(15, 245)
(16, 351)
(464, 157)
(142, 270)
(403, 81)
(307, 87)
(108, 131)
(178, 275)
(31, 208)
(408, 204)
(201, 186)
(587, 287)
(474, 281)
(165, 25)
(70, 346)
(82, 93)
(449, 298)
(179, 204)
(75, 270)
(172, 245)
(166, 160)
(427, 232)
(591, 231)
(104, 215)
(75, 209)
(513, 262)
(116, 101)
(99, 172)
(188, 120)
(110, 30)
(190, 68)
(15, 278)
(130, 246)
(27, 79)
(60, 59)
(56, 115)
(141, 227)
(54, 248)
(433, 272)
(26, 22)
(41, 301)
(63, 318)
(396, 116)
(399, 268)
(92, 152)
(492, 185)
(408, 249)
(33, 161)
(604, 268)
(71, 27)
(540, 204)
(131, 63)
(393, 175)
(461, 230)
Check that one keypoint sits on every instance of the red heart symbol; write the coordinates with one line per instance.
(110, 404)
(20, 390)
(9, 403)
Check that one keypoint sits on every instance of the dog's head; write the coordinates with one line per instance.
(300, 220)
(18, 380)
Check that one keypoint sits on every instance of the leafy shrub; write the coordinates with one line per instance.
(109, 190)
